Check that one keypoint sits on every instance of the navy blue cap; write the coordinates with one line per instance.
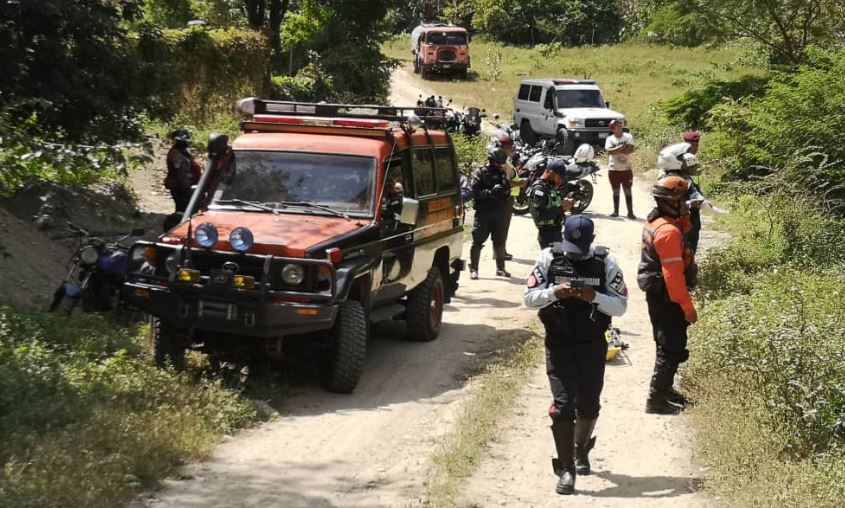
(578, 234)
(558, 166)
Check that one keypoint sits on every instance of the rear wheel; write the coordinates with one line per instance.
(583, 196)
(520, 204)
(424, 313)
(344, 362)
(168, 344)
(567, 143)
(527, 134)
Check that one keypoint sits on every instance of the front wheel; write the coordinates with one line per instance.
(520, 204)
(167, 344)
(62, 303)
(424, 312)
(583, 196)
(343, 363)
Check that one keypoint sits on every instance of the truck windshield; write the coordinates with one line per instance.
(451, 38)
(343, 183)
(579, 99)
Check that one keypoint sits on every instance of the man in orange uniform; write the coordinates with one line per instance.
(666, 272)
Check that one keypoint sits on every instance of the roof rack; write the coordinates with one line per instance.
(252, 106)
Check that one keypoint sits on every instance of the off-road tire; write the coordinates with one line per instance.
(463, 73)
(585, 196)
(416, 65)
(167, 344)
(527, 134)
(566, 143)
(424, 312)
(520, 203)
(343, 363)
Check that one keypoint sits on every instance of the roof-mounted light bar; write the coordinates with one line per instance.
(252, 107)
(363, 123)
(574, 81)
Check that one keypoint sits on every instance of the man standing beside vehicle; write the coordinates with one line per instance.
(577, 288)
(490, 190)
(619, 146)
(547, 205)
(183, 172)
(666, 273)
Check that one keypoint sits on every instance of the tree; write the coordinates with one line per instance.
(786, 27)
(269, 15)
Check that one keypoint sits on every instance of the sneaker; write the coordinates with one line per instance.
(502, 273)
(631, 215)
(473, 275)
(615, 214)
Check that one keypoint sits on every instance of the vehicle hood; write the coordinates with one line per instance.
(590, 113)
(282, 234)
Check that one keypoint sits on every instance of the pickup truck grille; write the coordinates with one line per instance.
(597, 122)
(447, 55)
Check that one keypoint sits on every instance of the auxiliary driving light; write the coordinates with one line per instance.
(206, 235)
(188, 275)
(243, 282)
(241, 239)
(293, 274)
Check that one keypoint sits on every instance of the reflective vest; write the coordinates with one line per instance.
(553, 200)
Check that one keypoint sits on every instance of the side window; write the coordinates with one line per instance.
(423, 168)
(536, 92)
(394, 189)
(523, 92)
(549, 102)
(444, 170)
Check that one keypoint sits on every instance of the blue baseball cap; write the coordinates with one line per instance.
(558, 166)
(578, 234)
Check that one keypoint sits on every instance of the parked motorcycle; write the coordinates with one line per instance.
(578, 188)
(471, 122)
(529, 162)
(96, 271)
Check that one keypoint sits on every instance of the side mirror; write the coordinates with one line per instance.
(410, 211)
(138, 232)
(607, 104)
(217, 145)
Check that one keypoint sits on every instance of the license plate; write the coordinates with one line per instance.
(221, 278)
(446, 66)
(603, 135)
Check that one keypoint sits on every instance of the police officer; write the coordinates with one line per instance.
(577, 289)
(546, 203)
(183, 172)
(666, 272)
(490, 190)
(505, 141)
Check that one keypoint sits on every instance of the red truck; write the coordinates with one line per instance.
(440, 47)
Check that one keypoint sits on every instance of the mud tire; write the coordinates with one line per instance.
(343, 363)
(527, 134)
(167, 344)
(424, 312)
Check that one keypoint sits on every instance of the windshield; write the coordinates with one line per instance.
(453, 38)
(343, 183)
(579, 99)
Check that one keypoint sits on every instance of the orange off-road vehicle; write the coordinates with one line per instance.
(440, 48)
(317, 221)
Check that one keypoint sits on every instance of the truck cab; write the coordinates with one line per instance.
(440, 48)
(318, 220)
(571, 110)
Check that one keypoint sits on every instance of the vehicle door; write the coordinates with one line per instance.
(397, 253)
(535, 108)
(549, 109)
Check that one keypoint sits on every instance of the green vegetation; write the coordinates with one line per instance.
(85, 420)
(480, 420)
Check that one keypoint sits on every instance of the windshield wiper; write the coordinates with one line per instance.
(243, 202)
(308, 204)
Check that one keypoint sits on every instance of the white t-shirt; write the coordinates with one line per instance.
(619, 162)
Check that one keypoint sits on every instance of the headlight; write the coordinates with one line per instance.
(89, 255)
(241, 239)
(576, 123)
(170, 263)
(206, 235)
(293, 274)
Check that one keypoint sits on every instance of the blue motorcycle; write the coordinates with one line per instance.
(96, 271)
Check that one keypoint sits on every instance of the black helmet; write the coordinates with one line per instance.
(183, 135)
(497, 154)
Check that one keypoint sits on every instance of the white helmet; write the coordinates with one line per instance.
(670, 158)
(690, 160)
(584, 154)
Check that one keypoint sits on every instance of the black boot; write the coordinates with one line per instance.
(584, 442)
(629, 202)
(564, 464)
(474, 256)
(660, 399)
(615, 206)
(500, 268)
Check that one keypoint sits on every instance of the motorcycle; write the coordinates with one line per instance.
(529, 163)
(96, 271)
(577, 187)
(471, 121)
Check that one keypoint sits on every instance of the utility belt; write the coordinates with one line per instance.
(560, 326)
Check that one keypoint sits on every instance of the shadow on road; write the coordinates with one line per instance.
(646, 486)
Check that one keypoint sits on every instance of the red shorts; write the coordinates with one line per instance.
(623, 178)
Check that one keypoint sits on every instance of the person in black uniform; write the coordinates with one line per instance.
(577, 289)
(547, 205)
(490, 190)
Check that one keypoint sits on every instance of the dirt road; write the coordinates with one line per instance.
(373, 448)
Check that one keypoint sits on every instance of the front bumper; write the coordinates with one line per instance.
(234, 312)
(447, 66)
(591, 136)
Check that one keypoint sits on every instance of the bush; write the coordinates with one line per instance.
(86, 421)
(470, 151)
(691, 109)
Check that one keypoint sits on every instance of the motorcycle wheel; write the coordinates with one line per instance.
(583, 196)
(62, 303)
(520, 204)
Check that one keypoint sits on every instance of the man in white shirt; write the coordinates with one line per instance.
(619, 146)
